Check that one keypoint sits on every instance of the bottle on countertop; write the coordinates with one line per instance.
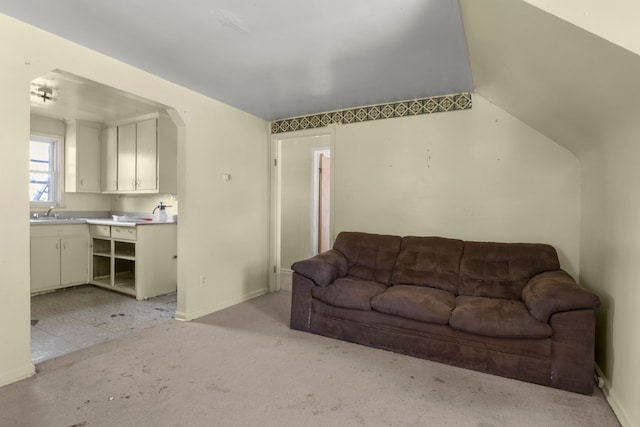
(162, 213)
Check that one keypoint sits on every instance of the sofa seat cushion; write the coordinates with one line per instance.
(349, 292)
(416, 302)
(494, 317)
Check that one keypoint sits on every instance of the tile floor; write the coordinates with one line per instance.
(82, 316)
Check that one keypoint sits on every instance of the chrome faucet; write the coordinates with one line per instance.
(49, 211)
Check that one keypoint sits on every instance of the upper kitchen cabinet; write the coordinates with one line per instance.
(109, 153)
(82, 157)
(139, 156)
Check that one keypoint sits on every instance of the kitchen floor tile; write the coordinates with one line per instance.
(82, 316)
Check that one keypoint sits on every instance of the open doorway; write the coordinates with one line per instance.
(321, 200)
(302, 183)
(75, 116)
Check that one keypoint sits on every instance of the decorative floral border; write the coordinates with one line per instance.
(436, 104)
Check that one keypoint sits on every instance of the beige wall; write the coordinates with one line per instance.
(223, 229)
(569, 70)
(614, 20)
(610, 252)
(143, 203)
(296, 160)
(477, 174)
(15, 332)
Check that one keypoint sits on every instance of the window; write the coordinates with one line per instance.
(44, 176)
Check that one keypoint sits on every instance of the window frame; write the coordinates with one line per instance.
(55, 192)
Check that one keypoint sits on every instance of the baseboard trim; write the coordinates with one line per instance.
(185, 317)
(18, 374)
(610, 395)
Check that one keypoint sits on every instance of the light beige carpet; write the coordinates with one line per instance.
(243, 366)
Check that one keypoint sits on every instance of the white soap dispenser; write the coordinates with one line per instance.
(162, 213)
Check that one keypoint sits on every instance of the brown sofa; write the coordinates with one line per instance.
(501, 308)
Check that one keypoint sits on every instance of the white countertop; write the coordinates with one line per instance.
(98, 221)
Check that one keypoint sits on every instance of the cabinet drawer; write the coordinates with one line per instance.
(58, 230)
(123, 233)
(100, 230)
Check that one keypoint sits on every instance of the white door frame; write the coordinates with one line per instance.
(276, 205)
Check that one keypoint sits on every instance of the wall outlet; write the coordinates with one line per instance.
(203, 281)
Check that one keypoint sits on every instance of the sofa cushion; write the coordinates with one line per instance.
(349, 292)
(370, 256)
(501, 270)
(429, 261)
(495, 317)
(416, 302)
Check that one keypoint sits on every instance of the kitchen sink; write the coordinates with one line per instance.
(54, 219)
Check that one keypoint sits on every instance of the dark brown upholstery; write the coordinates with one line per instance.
(555, 291)
(429, 261)
(495, 317)
(513, 312)
(323, 268)
(416, 302)
(349, 292)
(369, 256)
(501, 270)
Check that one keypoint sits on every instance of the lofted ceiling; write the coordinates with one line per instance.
(567, 83)
(275, 59)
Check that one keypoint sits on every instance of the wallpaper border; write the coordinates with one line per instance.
(414, 107)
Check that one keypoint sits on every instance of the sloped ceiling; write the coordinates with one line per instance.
(278, 58)
(563, 81)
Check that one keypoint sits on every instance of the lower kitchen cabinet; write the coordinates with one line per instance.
(140, 261)
(59, 256)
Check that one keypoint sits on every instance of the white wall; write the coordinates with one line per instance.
(477, 174)
(223, 228)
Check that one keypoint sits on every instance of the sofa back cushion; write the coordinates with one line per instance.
(429, 261)
(370, 256)
(501, 270)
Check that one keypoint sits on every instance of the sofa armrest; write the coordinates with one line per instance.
(555, 291)
(323, 268)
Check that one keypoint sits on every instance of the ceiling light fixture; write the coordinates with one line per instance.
(44, 94)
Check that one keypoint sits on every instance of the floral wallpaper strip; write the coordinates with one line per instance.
(436, 104)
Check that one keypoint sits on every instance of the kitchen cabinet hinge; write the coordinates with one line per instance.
(275, 162)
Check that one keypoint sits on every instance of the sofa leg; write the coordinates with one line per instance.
(301, 302)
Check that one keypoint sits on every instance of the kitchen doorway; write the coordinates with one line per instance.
(80, 316)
